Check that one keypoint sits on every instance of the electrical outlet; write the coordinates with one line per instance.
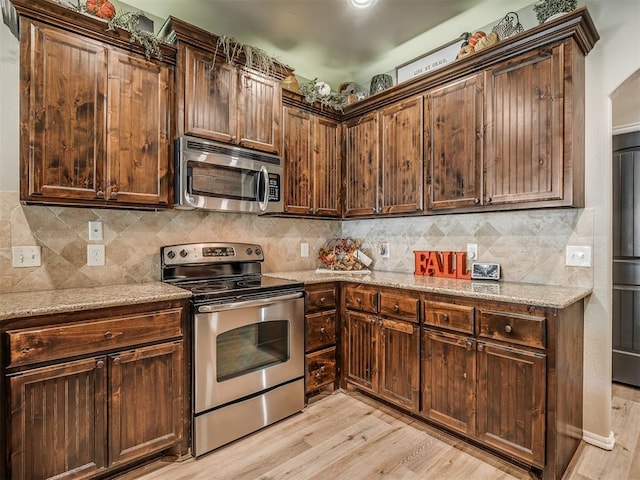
(383, 249)
(26, 257)
(578, 256)
(95, 230)
(95, 255)
(472, 251)
(304, 250)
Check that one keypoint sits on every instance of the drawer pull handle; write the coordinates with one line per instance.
(322, 299)
(26, 350)
(108, 335)
(508, 329)
(396, 308)
(445, 317)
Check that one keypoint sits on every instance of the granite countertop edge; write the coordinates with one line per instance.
(551, 296)
(65, 300)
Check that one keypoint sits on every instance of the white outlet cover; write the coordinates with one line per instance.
(578, 256)
(95, 255)
(304, 250)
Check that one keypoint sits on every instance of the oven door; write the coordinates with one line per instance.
(246, 347)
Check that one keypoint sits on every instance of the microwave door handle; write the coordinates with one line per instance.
(264, 180)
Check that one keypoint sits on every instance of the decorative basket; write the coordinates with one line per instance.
(508, 27)
(342, 254)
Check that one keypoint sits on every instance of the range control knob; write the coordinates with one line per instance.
(258, 251)
(183, 253)
(249, 251)
(171, 254)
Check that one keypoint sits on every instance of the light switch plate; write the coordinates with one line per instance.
(304, 250)
(95, 230)
(26, 256)
(578, 256)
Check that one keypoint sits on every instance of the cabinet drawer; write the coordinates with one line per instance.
(41, 344)
(321, 368)
(399, 306)
(363, 299)
(321, 330)
(512, 327)
(321, 300)
(450, 316)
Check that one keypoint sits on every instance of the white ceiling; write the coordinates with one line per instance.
(329, 35)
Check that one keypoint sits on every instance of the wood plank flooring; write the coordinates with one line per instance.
(352, 437)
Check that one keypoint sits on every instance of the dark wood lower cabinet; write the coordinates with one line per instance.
(511, 401)
(145, 400)
(449, 380)
(58, 421)
(81, 409)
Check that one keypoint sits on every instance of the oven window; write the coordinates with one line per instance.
(224, 182)
(252, 347)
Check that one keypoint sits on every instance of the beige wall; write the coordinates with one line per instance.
(62, 231)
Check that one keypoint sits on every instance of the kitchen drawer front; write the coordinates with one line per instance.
(447, 315)
(512, 327)
(321, 368)
(362, 299)
(323, 299)
(399, 306)
(42, 344)
(321, 330)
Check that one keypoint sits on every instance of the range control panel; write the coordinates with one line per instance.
(189, 253)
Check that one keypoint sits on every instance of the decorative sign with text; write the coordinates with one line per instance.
(441, 264)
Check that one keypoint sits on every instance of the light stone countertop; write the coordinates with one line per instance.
(28, 304)
(552, 296)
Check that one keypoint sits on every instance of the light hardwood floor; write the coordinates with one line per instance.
(352, 437)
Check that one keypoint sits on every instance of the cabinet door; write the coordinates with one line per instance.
(449, 380)
(259, 117)
(361, 351)
(401, 171)
(58, 421)
(210, 103)
(361, 196)
(327, 169)
(298, 161)
(145, 400)
(138, 150)
(524, 142)
(453, 143)
(511, 401)
(399, 360)
(62, 111)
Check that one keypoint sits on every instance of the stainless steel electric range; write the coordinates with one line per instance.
(248, 340)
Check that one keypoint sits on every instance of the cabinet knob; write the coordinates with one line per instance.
(396, 308)
(489, 199)
(445, 317)
(322, 299)
(116, 361)
(480, 347)
(323, 330)
(476, 201)
(108, 335)
(100, 194)
(508, 329)
(373, 321)
(100, 364)
(359, 300)
(464, 375)
(469, 345)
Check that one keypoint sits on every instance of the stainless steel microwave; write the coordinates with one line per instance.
(225, 178)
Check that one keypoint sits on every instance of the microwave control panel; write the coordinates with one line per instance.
(274, 187)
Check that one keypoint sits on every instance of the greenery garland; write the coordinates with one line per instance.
(547, 8)
(129, 21)
(254, 58)
(311, 94)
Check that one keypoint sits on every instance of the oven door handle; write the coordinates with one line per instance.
(248, 303)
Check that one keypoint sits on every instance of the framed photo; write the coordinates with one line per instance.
(430, 61)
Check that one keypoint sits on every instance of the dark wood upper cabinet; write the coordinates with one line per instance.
(401, 157)
(362, 165)
(94, 113)
(224, 102)
(312, 156)
(526, 127)
(453, 133)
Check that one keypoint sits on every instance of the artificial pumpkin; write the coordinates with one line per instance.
(475, 37)
(101, 8)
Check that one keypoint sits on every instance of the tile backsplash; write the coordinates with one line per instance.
(529, 245)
